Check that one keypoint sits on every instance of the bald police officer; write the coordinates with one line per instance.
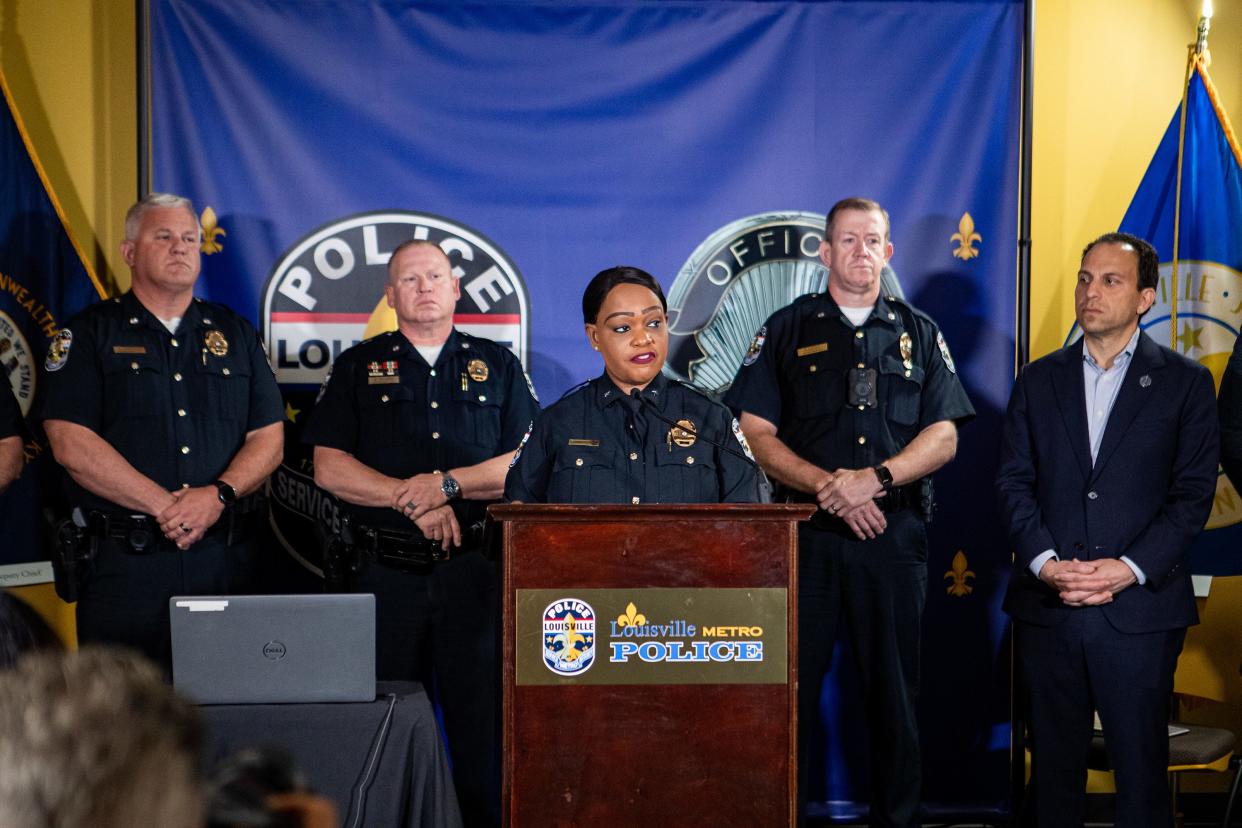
(850, 400)
(414, 431)
(165, 413)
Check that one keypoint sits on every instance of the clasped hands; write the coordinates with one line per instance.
(421, 499)
(851, 494)
(189, 515)
(1087, 583)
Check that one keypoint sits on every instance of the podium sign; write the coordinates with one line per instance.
(650, 670)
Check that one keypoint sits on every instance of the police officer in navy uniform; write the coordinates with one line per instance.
(851, 400)
(414, 431)
(12, 436)
(165, 413)
(602, 443)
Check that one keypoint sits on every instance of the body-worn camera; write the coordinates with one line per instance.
(862, 387)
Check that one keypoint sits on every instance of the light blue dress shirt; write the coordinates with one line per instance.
(1100, 386)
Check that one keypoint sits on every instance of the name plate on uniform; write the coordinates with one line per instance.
(651, 636)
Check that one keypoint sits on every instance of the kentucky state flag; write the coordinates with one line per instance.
(44, 279)
(1207, 295)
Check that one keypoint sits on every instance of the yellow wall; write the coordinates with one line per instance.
(1108, 76)
(70, 65)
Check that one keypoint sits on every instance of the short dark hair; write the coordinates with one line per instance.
(416, 243)
(1148, 258)
(864, 205)
(603, 283)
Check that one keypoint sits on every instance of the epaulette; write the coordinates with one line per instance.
(694, 388)
(574, 390)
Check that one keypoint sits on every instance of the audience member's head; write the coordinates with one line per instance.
(95, 738)
(22, 630)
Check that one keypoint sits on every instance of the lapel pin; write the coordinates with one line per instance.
(1145, 380)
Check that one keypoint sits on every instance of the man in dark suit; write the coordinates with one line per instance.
(1107, 472)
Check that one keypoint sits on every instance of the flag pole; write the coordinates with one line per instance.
(1197, 53)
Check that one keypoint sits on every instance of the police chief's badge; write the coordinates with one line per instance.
(216, 343)
(58, 351)
(684, 434)
(741, 438)
(477, 369)
(944, 352)
(906, 344)
(756, 345)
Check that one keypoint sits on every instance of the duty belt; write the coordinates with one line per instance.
(407, 550)
(142, 533)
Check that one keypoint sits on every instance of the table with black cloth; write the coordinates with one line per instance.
(382, 763)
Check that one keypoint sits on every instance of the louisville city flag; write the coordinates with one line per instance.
(538, 143)
(1207, 303)
(44, 279)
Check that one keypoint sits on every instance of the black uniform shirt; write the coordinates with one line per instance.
(177, 406)
(393, 412)
(586, 449)
(796, 376)
(11, 424)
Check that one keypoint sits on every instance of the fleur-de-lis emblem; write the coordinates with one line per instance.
(631, 617)
(966, 237)
(959, 574)
(212, 231)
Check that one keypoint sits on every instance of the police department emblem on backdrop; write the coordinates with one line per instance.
(1209, 300)
(732, 282)
(327, 292)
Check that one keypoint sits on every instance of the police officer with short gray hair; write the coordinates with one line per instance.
(165, 413)
(851, 400)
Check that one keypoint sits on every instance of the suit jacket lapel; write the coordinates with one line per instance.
(1134, 394)
(1071, 402)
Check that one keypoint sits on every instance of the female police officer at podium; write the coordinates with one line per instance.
(632, 435)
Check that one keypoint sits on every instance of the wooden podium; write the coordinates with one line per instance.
(650, 669)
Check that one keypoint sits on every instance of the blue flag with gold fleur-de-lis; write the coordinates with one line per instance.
(1204, 297)
(44, 279)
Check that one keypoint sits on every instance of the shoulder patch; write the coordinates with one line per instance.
(741, 439)
(324, 387)
(522, 444)
(58, 351)
(756, 346)
(944, 352)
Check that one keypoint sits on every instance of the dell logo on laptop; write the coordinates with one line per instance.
(274, 650)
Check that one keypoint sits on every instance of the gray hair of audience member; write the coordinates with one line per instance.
(151, 201)
(96, 738)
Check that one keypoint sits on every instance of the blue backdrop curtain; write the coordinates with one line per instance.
(548, 141)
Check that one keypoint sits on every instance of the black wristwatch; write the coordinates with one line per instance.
(450, 487)
(226, 493)
(885, 476)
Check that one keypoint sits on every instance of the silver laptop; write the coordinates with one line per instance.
(255, 649)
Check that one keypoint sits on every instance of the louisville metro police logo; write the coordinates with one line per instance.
(1209, 296)
(569, 637)
(327, 292)
(732, 282)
